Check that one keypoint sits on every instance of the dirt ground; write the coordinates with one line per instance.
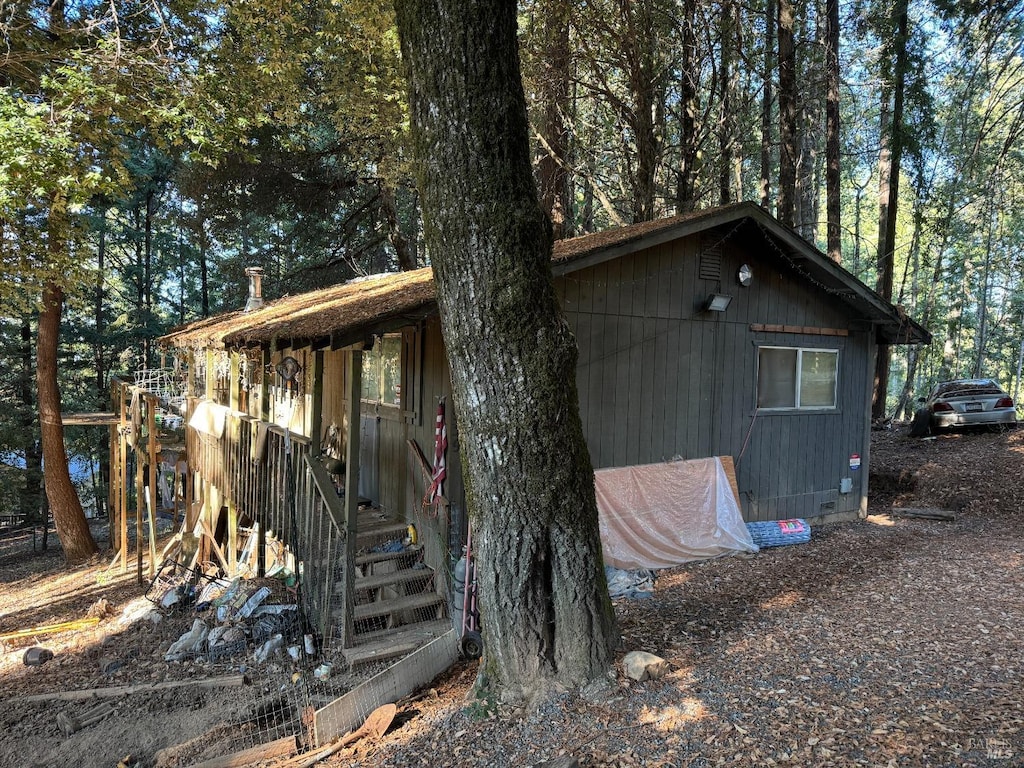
(889, 641)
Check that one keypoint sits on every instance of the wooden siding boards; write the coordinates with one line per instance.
(659, 378)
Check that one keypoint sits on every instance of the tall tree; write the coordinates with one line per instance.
(789, 148)
(833, 177)
(551, 68)
(548, 618)
(771, 8)
(689, 82)
(890, 158)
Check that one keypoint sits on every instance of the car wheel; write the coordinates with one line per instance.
(921, 426)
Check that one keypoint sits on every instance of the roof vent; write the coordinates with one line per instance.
(255, 275)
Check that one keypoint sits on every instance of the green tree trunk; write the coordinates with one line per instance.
(547, 617)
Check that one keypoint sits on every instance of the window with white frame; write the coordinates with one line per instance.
(796, 377)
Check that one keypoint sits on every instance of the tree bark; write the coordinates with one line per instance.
(771, 10)
(554, 82)
(788, 134)
(833, 230)
(726, 117)
(403, 249)
(547, 617)
(688, 146)
(68, 515)
(889, 192)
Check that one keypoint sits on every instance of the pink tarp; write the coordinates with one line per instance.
(662, 515)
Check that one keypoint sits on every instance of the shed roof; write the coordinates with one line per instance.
(351, 312)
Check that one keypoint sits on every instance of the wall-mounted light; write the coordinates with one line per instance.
(717, 302)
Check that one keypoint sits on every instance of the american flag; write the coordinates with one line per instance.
(439, 471)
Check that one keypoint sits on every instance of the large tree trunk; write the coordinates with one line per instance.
(788, 146)
(770, 14)
(727, 116)
(547, 617)
(833, 231)
(889, 193)
(554, 80)
(72, 527)
(689, 156)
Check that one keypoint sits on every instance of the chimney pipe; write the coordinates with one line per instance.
(255, 275)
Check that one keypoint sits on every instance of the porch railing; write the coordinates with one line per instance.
(268, 476)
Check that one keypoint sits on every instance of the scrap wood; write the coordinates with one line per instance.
(125, 690)
(923, 514)
(272, 749)
(375, 726)
(48, 629)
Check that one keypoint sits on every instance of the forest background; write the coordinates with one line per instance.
(150, 151)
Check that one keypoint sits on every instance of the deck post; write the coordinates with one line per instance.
(355, 389)
(316, 416)
(150, 402)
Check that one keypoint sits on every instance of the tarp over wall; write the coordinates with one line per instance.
(662, 515)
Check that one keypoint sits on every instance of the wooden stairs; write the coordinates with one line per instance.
(397, 606)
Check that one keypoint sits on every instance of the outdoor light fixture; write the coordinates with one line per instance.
(717, 302)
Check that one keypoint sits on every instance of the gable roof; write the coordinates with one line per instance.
(352, 312)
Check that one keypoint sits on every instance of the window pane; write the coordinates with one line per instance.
(776, 378)
(371, 379)
(391, 369)
(818, 379)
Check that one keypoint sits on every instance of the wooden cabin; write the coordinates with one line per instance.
(717, 333)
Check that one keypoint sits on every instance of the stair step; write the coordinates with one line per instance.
(384, 607)
(392, 643)
(372, 558)
(403, 576)
(380, 532)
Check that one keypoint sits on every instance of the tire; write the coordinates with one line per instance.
(472, 645)
(921, 426)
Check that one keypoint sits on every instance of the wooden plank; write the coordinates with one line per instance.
(801, 329)
(401, 679)
(49, 629)
(923, 514)
(95, 419)
(151, 445)
(226, 681)
(384, 607)
(390, 643)
(403, 576)
(246, 757)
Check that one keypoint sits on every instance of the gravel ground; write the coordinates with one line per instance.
(882, 642)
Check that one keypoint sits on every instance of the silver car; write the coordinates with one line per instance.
(969, 403)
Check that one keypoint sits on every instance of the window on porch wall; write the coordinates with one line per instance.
(222, 378)
(198, 362)
(382, 372)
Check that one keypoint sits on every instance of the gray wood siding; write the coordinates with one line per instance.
(659, 378)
